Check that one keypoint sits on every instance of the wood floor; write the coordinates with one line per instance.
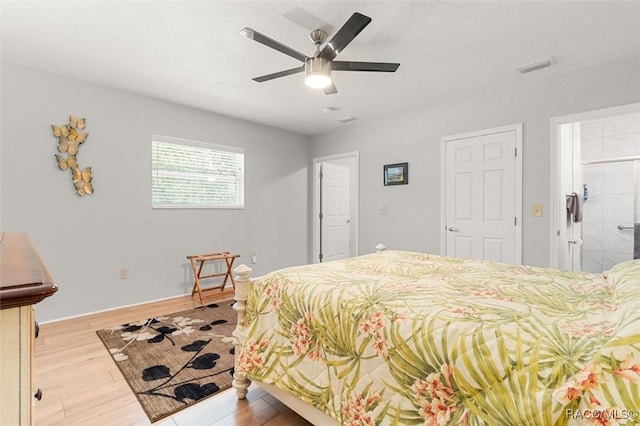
(81, 384)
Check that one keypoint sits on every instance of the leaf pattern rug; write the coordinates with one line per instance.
(175, 360)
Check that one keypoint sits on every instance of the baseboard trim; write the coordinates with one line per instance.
(222, 295)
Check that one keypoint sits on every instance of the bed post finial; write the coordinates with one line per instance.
(381, 247)
(243, 282)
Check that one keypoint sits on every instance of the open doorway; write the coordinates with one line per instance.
(335, 216)
(596, 160)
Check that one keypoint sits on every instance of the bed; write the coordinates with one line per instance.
(404, 338)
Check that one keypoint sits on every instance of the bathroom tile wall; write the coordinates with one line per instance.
(612, 191)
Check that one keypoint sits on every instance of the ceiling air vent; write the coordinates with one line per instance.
(346, 119)
(534, 66)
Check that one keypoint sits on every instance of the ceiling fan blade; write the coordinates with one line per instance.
(269, 42)
(356, 23)
(331, 89)
(364, 66)
(279, 74)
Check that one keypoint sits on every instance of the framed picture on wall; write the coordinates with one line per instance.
(396, 174)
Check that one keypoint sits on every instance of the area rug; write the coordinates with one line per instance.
(175, 360)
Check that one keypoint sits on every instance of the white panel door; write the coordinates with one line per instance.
(481, 196)
(334, 211)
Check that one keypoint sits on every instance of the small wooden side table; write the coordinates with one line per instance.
(197, 264)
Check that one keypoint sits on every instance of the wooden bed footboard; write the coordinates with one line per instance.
(243, 282)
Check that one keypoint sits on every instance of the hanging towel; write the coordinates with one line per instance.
(636, 240)
(574, 206)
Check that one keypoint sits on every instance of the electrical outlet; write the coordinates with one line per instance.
(124, 273)
(382, 210)
(254, 256)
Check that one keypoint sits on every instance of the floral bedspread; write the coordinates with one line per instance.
(402, 338)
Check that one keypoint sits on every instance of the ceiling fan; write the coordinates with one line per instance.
(318, 67)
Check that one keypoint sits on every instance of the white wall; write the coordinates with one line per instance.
(86, 240)
(413, 219)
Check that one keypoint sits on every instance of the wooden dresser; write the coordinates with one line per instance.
(24, 281)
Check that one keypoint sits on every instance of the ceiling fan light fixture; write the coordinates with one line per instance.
(317, 73)
(317, 81)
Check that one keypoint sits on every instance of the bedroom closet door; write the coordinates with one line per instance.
(335, 223)
(482, 195)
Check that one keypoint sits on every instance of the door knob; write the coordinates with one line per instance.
(452, 229)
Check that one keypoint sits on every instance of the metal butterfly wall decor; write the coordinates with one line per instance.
(69, 141)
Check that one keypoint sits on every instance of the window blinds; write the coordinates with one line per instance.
(196, 174)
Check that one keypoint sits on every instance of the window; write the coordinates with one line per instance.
(190, 174)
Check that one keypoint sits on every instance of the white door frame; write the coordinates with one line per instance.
(354, 188)
(518, 199)
(556, 167)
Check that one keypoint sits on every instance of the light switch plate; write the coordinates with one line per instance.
(537, 210)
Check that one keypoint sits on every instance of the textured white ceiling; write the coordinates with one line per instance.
(191, 52)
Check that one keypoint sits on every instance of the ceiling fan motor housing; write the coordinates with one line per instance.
(317, 65)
